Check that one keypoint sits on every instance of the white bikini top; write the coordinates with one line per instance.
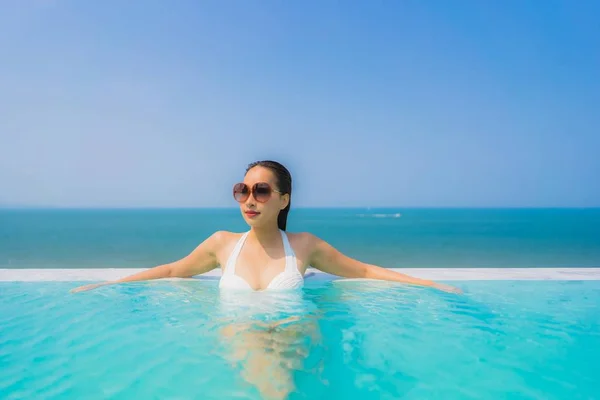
(289, 278)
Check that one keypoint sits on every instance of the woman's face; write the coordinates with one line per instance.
(264, 211)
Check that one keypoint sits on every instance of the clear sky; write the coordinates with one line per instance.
(369, 103)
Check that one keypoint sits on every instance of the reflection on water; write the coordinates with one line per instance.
(268, 337)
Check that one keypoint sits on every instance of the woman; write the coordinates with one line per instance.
(266, 257)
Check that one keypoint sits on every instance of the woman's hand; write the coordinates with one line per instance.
(85, 288)
(447, 288)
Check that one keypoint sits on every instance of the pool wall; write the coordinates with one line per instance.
(441, 274)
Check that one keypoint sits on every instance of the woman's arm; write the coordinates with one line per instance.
(328, 259)
(202, 259)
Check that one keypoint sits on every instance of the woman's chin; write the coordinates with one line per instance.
(253, 221)
(256, 221)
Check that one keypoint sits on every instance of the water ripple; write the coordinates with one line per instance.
(374, 340)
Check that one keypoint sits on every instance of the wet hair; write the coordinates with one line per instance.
(284, 184)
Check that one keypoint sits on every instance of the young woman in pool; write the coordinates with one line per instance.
(266, 257)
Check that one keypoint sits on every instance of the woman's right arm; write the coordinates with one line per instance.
(201, 260)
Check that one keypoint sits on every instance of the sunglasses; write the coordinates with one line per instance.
(261, 191)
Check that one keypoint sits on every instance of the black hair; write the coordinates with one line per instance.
(284, 184)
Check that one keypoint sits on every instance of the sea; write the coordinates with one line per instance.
(388, 237)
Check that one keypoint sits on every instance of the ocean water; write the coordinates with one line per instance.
(429, 238)
(376, 340)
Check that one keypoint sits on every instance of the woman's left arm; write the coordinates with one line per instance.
(328, 259)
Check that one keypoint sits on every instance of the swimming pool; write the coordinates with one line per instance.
(182, 339)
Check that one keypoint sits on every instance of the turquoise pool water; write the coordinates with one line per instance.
(183, 339)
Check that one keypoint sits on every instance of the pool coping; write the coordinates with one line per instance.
(441, 274)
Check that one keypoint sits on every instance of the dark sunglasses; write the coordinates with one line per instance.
(261, 191)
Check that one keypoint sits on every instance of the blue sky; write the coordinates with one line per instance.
(407, 103)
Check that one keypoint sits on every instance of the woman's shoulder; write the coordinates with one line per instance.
(306, 245)
(222, 243)
(226, 236)
(304, 240)
(224, 239)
